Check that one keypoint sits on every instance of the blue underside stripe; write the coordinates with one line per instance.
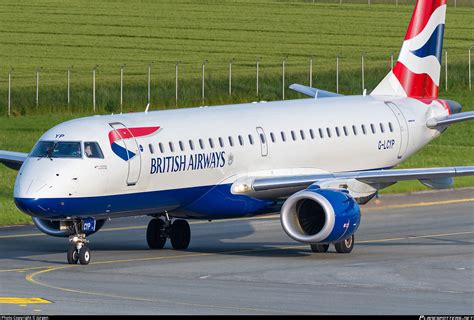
(198, 202)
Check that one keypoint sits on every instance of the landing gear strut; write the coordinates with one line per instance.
(78, 251)
(178, 231)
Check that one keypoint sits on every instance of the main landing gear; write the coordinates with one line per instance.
(78, 251)
(344, 246)
(159, 230)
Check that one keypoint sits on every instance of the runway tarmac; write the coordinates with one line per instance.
(413, 255)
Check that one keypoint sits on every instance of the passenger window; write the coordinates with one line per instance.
(92, 150)
(221, 142)
(241, 140)
(346, 133)
(191, 144)
(321, 133)
(283, 137)
(337, 132)
(272, 136)
(390, 126)
(382, 128)
(302, 135)
(250, 139)
(171, 146)
(201, 144)
(211, 143)
(354, 129)
(262, 138)
(150, 146)
(363, 129)
(162, 149)
(372, 127)
(293, 135)
(329, 132)
(311, 133)
(181, 145)
(231, 141)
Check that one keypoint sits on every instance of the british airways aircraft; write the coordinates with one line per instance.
(315, 160)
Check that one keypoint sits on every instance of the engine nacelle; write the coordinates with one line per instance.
(61, 228)
(319, 215)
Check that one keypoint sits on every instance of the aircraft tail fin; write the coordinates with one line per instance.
(417, 71)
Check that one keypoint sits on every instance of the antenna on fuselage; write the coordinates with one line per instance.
(147, 107)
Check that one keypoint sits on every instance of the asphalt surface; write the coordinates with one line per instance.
(414, 254)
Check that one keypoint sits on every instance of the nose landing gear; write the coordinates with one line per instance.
(78, 251)
(177, 231)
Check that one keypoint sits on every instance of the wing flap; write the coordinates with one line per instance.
(12, 159)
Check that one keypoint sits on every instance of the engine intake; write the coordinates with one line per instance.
(319, 215)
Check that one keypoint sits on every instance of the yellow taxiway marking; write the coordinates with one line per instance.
(382, 207)
(22, 301)
(31, 277)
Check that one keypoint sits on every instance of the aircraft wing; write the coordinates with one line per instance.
(313, 92)
(289, 184)
(11, 159)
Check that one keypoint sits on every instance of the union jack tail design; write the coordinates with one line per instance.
(417, 71)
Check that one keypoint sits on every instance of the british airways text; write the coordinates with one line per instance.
(196, 161)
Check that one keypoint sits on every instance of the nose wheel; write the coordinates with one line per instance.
(159, 230)
(78, 251)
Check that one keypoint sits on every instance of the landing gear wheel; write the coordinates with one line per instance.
(319, 247)
(154, 234)
(84, 255)
(72, 255)
(180, 234)
(345, 246)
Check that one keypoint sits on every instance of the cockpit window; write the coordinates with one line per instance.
(92, 150)
(57, 149)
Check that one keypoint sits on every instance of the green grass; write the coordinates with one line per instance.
(56, 34)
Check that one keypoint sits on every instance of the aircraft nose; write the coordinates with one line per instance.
(29, 188)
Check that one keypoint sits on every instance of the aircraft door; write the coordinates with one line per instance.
(403, 125)
(263, 141)
(128, 149)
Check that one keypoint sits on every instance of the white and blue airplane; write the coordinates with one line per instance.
(315, 160)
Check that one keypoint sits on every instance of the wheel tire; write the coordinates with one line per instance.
(154, 236)
(319, 248)
(180, 234)
(72, 255)
(345, 246)
(84, 255)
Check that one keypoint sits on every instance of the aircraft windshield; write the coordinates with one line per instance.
(57, 149)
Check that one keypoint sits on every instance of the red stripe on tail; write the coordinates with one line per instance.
(415, 85)
(423, 11)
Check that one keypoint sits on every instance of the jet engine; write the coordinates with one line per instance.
(319, 216)
(61, 228)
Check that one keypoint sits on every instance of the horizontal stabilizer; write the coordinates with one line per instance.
(313, 92)
(13, 160)
(454, 118)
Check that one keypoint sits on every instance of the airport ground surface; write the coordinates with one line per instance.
(414, 254)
